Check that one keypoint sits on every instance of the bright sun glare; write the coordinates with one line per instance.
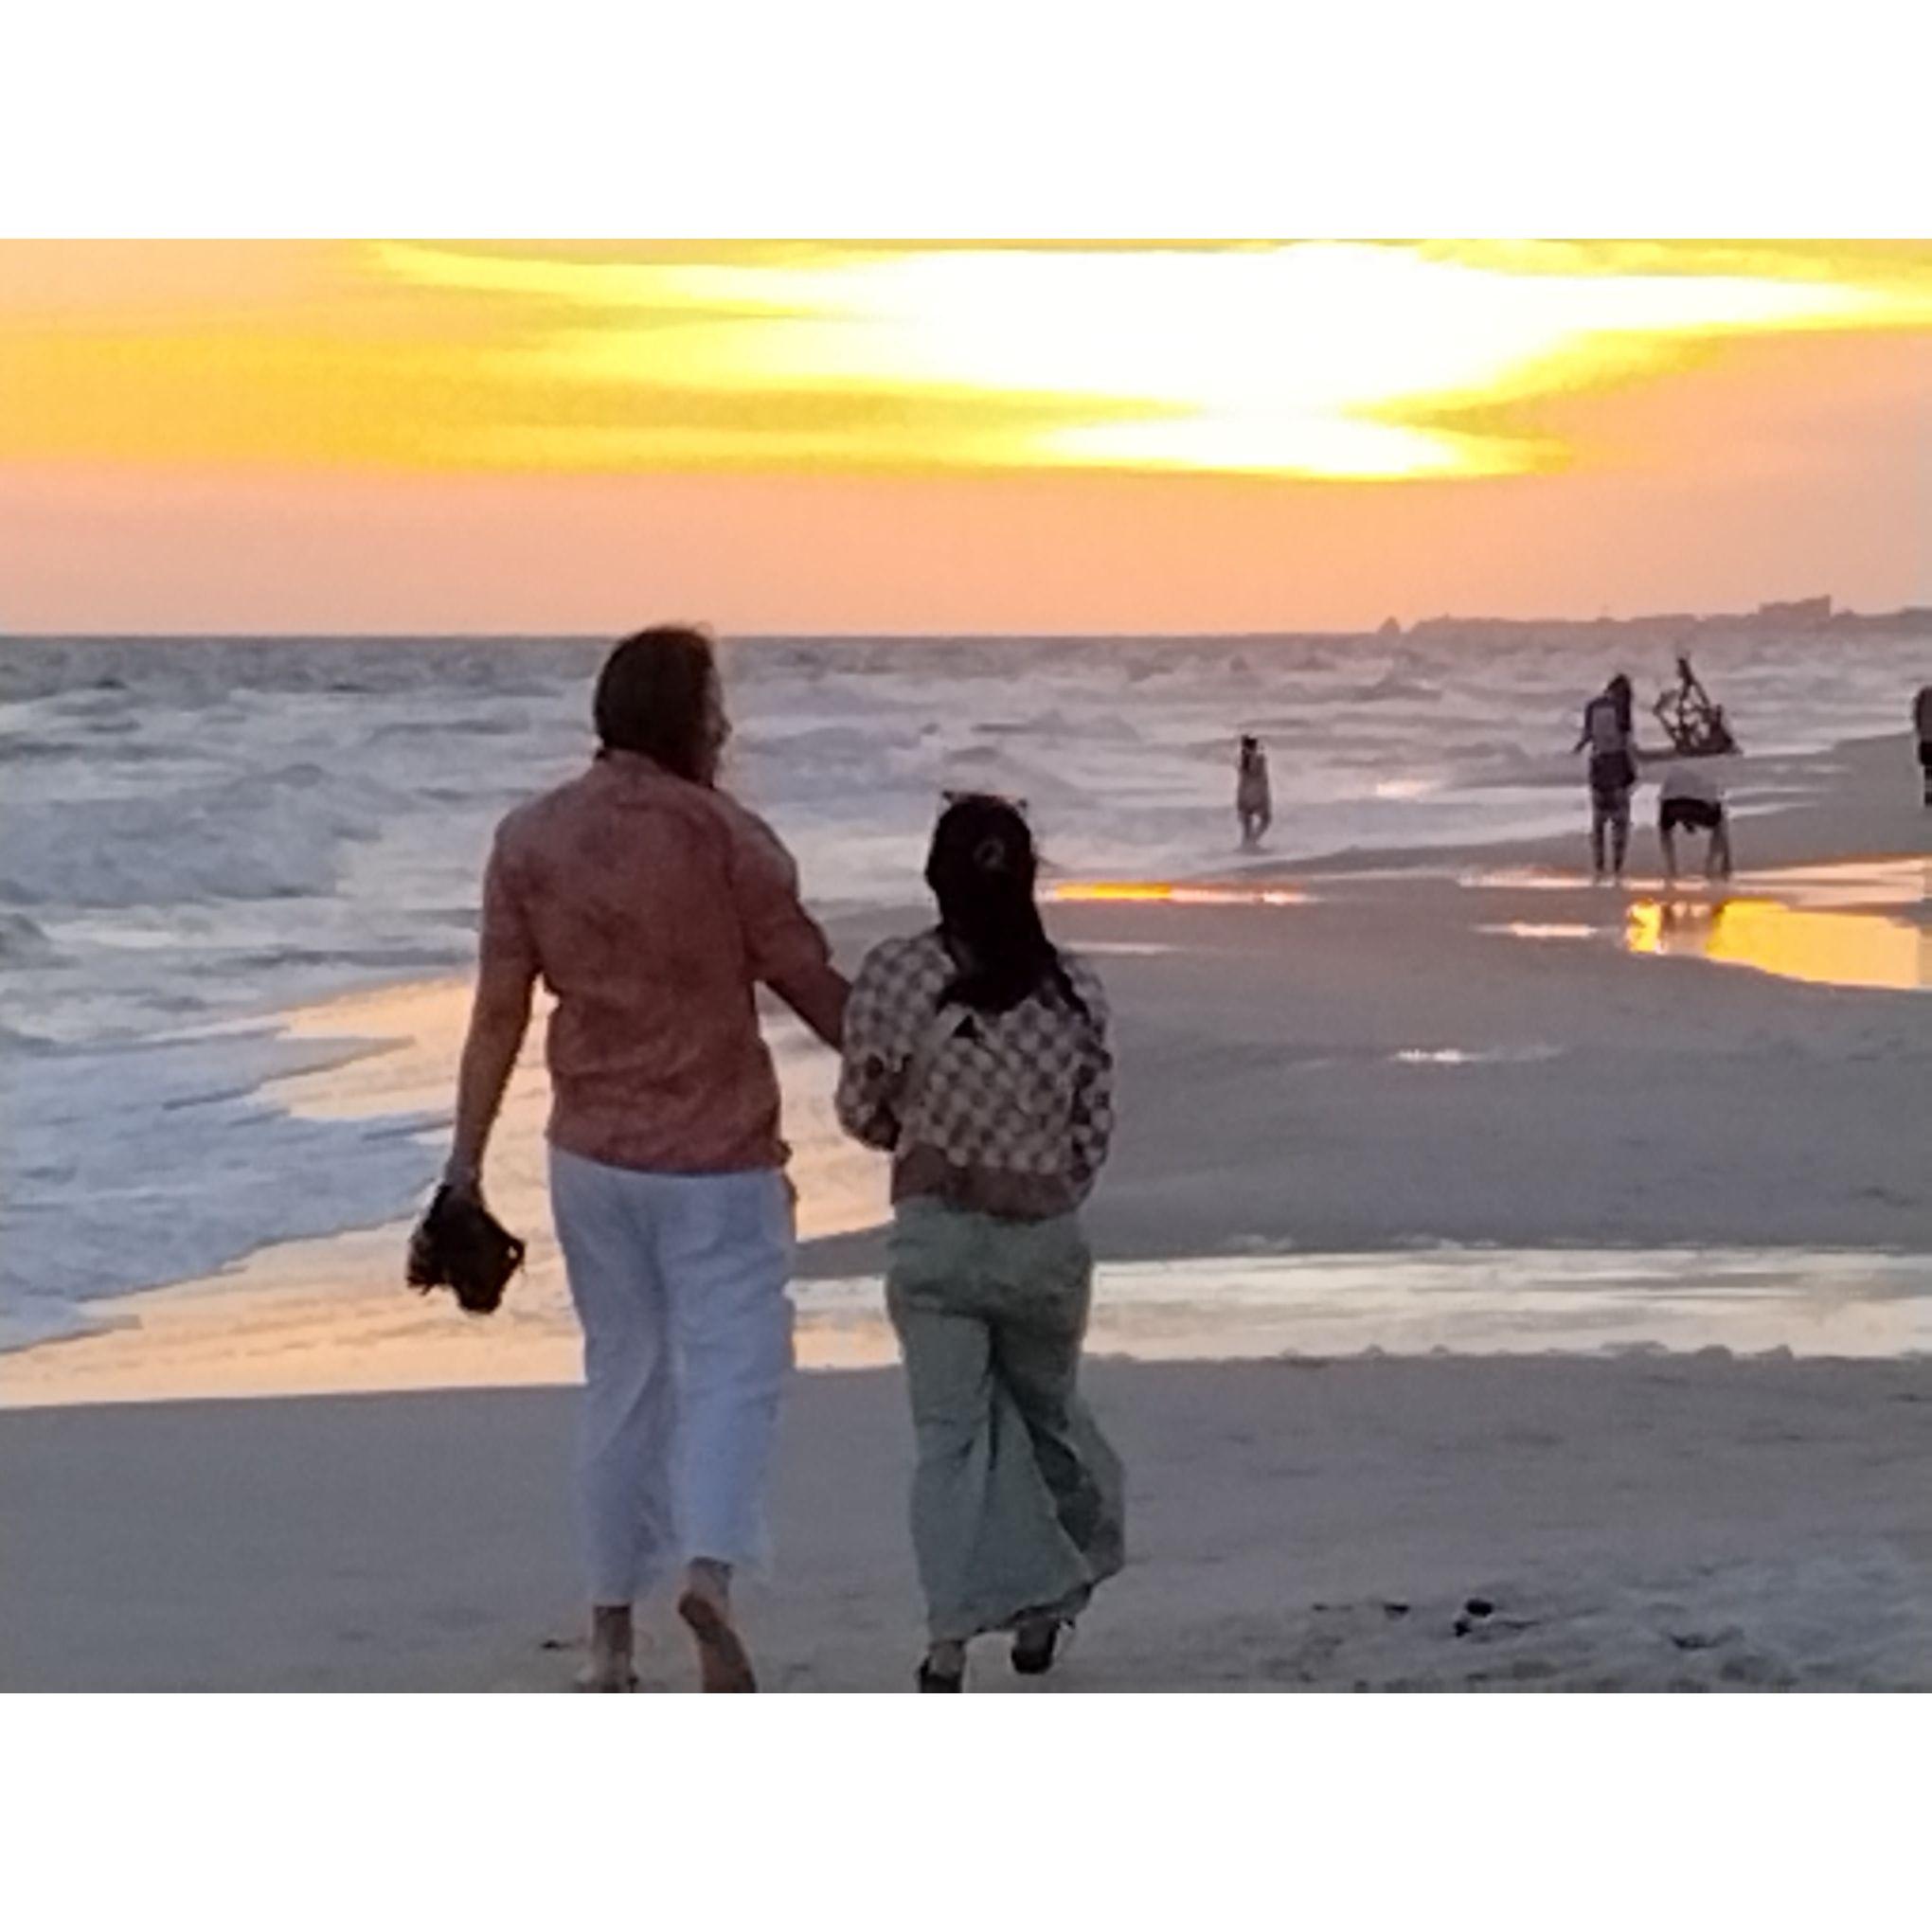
(1345, 361)
(1331, 360)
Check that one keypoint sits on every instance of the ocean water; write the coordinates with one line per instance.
(198, 834)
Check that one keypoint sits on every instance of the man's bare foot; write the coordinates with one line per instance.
(610, 1667)
(705, 1606)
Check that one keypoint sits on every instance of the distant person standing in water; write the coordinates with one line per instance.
(652, 904)
(977, 1054)
(1922, 723)
(1609, 733)
(1254, 803)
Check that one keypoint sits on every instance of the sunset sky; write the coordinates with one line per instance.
(930, 437)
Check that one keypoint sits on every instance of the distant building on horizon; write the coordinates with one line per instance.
(1679, 629)
(1802, 610)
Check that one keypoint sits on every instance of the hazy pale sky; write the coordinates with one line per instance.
(789, 435)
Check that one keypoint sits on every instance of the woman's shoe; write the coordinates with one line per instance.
(614, 1677)
(930, 1679)
(1035, 1645)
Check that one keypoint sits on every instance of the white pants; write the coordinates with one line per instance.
(680, 1283)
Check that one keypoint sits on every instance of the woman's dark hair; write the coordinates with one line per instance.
(654, 696)
(1618, 690)
(981, 870)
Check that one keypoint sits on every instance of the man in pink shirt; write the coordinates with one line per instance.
(652, 905)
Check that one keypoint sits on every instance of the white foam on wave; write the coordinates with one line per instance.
(166, 1162)
(258, 836)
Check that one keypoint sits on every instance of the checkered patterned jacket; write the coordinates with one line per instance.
(1024, 1093)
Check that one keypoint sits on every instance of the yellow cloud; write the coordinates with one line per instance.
(1345, 361)
(1326, 359)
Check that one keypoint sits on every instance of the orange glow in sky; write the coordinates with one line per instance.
(927, 437)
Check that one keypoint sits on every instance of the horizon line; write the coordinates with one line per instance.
(951, 634)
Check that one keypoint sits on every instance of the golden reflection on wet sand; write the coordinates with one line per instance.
(1828, 925)
(1826, 948)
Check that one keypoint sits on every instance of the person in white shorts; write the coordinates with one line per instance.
(1691, 799)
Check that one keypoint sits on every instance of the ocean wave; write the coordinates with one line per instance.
(1096, 725)
(1501, 761)
(19, 748)
(14, 1041)
(504, 724)
(23, 942)
(261, 836)
(841, 741)
(355, 959)
(165, 1159)
(1391, 688)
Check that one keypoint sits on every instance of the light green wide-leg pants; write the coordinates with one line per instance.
(1017, 1498)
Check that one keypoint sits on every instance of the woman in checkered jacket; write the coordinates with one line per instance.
(976, 1053)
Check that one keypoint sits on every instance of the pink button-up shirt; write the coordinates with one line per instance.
(651, 908)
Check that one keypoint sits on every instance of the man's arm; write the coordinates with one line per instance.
(817, 992)
(786, 950)
(506, 975)
(498, 1020)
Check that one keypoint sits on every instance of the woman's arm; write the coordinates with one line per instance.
(1091, 1119)
(871, 1074)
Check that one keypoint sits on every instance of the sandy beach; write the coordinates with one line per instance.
(1636, 1524)
(1406, 1104)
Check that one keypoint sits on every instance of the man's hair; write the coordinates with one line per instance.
(652, 694)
